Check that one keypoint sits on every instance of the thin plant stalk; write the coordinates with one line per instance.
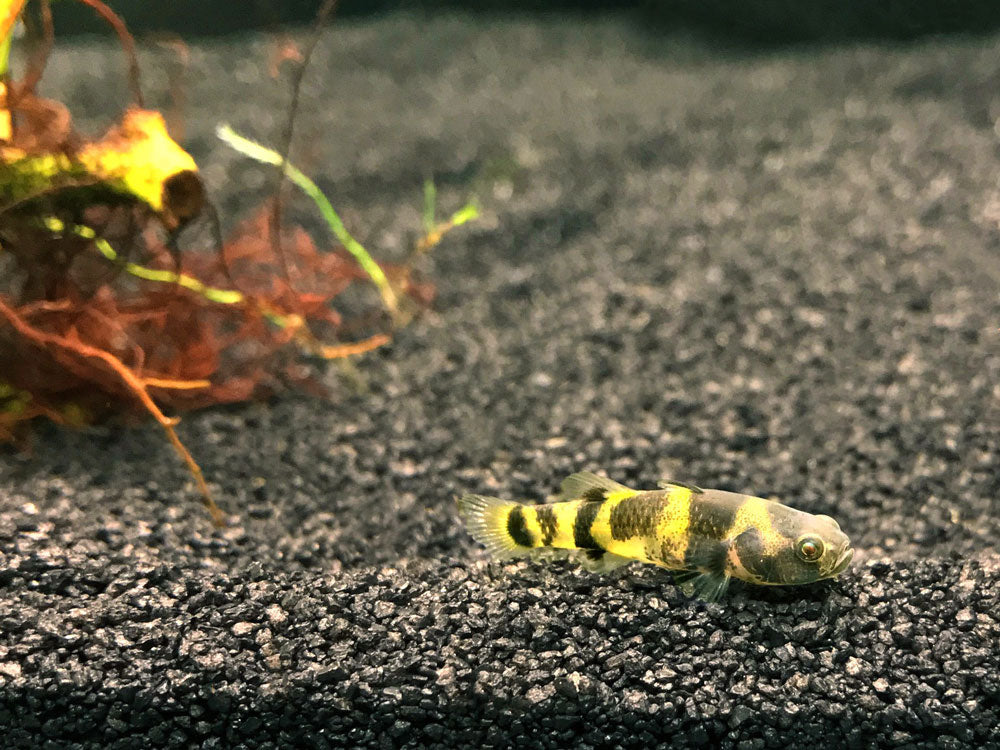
(266, 155)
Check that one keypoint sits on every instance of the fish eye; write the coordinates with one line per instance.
(809, 548)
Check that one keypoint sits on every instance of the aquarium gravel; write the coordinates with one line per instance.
(771, 271)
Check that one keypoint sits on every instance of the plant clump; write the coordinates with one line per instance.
(101, 314)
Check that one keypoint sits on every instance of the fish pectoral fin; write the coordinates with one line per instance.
(599, 561)
(666, 484)
(577, 485)
(705, 576)
(708, 587)
(549, 554)
(705, 555)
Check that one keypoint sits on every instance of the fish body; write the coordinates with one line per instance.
(706, 536)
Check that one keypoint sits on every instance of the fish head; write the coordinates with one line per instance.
(798, 548)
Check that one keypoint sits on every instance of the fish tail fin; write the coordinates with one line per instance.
(496, 524)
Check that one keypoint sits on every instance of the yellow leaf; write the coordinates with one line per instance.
(137, 158)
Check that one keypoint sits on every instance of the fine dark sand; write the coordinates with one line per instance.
(774, 272)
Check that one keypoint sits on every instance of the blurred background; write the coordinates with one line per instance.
(736, 21)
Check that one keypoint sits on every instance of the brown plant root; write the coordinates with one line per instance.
(102, 318)
(63, 349)
(128, 344)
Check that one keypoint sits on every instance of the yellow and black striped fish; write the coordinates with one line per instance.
(706, 536)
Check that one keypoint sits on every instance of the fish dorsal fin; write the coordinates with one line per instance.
(584, 483)
(666, 484)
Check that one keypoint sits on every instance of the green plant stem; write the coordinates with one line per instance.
(263, 154)
(213, 294)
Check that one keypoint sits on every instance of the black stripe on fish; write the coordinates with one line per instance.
(750, 550)
(518, 529)
(547, 523)
(585, 516)
(710, 518)
(635, 516)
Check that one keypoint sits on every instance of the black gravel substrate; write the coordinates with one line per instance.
(776, 274)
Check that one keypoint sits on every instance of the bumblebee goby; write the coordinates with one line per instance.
(706, 536)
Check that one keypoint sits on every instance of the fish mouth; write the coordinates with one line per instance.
(842, 562)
